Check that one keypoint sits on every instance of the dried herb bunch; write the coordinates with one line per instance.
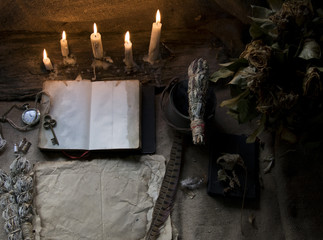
(279, 74)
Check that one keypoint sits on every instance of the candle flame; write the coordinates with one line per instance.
(95, 28)
(64, 35)
(127, 37)
(45, 54)
(158, 16)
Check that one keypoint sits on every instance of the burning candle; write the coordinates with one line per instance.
(64, 45)
(46, 61)
(96, 43)
(128, 51)
(153, 53)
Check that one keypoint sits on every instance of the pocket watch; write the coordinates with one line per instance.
(30, 116)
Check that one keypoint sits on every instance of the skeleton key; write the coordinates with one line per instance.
(50, 123)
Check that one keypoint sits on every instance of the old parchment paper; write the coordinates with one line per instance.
(98, 199)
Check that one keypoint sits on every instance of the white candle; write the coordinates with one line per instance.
(128, 58)
(96, 43)
(64, 45)
(46, 61)
(153, 53)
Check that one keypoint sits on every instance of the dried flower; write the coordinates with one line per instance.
(286, 101)
(312, 83)
(257, 54)
(275, 75)
(257, 80)
(293, 12)
(274, 103)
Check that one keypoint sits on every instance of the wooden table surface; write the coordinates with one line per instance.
(22, 71)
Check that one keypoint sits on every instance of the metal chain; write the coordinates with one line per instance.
(25, 106)
(5, 119)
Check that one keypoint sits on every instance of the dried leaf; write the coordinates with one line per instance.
(255, 31)
(241, 77)
(226, 64)
(233, 112)
(227, 189)
(236, 64)
(227, 173)
(311, 49)
(266, 30)
(269, 27)
(275, 5)
(245, 113)
(288, 136)
(228, 161)
(320, 12)
(233, 101)
(260, 21)
(222, 73)
(268, 167)
(236, 179)
(243, 110)
(231, 183)
(222, 175)
(261, 12)
(252, 138)
(270, 161)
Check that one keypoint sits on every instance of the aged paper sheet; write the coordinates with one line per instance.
(100, 199)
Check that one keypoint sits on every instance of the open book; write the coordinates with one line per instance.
(93, 115)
